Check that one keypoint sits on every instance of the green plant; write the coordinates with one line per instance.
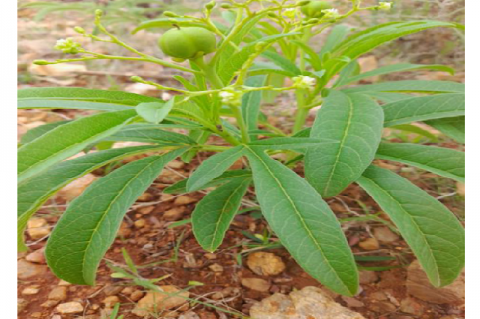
(337, 150)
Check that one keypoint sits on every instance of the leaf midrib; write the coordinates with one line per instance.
(299, 216)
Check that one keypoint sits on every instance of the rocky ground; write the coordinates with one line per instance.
(251, 274)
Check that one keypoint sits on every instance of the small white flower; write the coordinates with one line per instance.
(386, 6)
(290, 13)
(331, 13)
(68, 46)
(231, 97)
(304, 82)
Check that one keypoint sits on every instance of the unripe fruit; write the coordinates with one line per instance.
(314, 9)
(187, 43)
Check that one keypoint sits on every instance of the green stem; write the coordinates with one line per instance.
(302, 111)
(237, 113)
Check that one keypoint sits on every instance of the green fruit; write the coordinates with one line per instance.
(314, 8)
(187, 43)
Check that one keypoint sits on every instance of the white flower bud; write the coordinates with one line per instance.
(290, 13)
(386, 6)
(68, 46)
(331, 13)
(304, 82)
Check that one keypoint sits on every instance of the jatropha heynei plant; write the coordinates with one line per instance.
(229, 67)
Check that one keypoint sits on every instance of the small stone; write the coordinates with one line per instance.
(420, 287)
(256, 284)
(166, 197)
(49, 303)
(21, 304)
(140, 223)
(33, 290)
(137, 295)
(216, 268)
(145, 197)
(172, 298)
(127, 290)
(369, 244)
(36, 315)
(174, 214)
(189, 315)
(385, 235)
(368, 277)
(58, 293)
(57, 317)
(265, 264)
(124, 230)
(75, 188)
(37, 228)
(184, 200)
(26, 270)
(352, 302)
(210, 256)
(111, 290)
(110, 301)
(308, 303)
(176, 164)
(383, 307)
(70, 307)
(146, 210)
(378, 296)
(64, 283)
(409, 305)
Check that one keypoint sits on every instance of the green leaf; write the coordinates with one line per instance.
(33, 192)
(168, 23)
(267, 68)
(415, 129)
(291, 143)
(304, 223)
(38, 131)
(441, 161)
(453, 127)
(400, 67)
(155, 112)
(424, 108)
(335, 37)
(146, 133)
(67, 104)
(387, 97)
(214, 213)
(411, 86)
(67, 140)
(282, 62)
(313, 57)
(90, 224)
(181, 186)
(365, 41)
(213, 167)
(430, 229)
(81, 94)
(355, 122)
(251, 102)
(233, 63)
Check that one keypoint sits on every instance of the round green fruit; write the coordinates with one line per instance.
(314, 9)
(187, 43)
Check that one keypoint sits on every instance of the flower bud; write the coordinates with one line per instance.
(210, 5)
(136, 78)
(385, 6)
(98, 13)
(41, 62)
(303, 3)
(225, 6)
(170, 14)
(304, 82)
(79, 30)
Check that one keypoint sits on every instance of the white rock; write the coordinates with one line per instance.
(70, 307)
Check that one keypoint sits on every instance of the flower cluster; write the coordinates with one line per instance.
(386, 6)
(68, 46)
(304, 82)
(331, 13)
(231, 97)
(290, 13)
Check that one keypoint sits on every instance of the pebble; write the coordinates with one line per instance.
(184, 200)
(176, 164)
(140, 223)
(368, 277)
(216, 268)
(111, 290)
(256, 284)
(70, 307)
(33, 290)
(172, 298)
(385, 235)
(409, 305)
(137, 295)
(265, 264)
(26, 270)
(49, 303)
(37, 256)
(174, 214)
(58, 293)
(352, 302)
(37, 228)
(110, 301)
(369, 244)
(210, 256)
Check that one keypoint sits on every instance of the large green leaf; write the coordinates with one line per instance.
(292, 143)
(335, 37)
(155, 112)
(181, 186)
(442, 161)
(251, 102)
(67, 140)
(355, 122)
(453, 127)
(214, 213)
(424, 108)
(213, 167)
(89, 225)
(365, 41)
(304, 223)
(150, 133)
(33, 192)
(282, 62)
(430, 229)
(400, 67)
(411, 86)
(38, 131)
(79, 98)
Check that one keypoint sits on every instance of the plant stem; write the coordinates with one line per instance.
(302, 111)
(237, 113)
